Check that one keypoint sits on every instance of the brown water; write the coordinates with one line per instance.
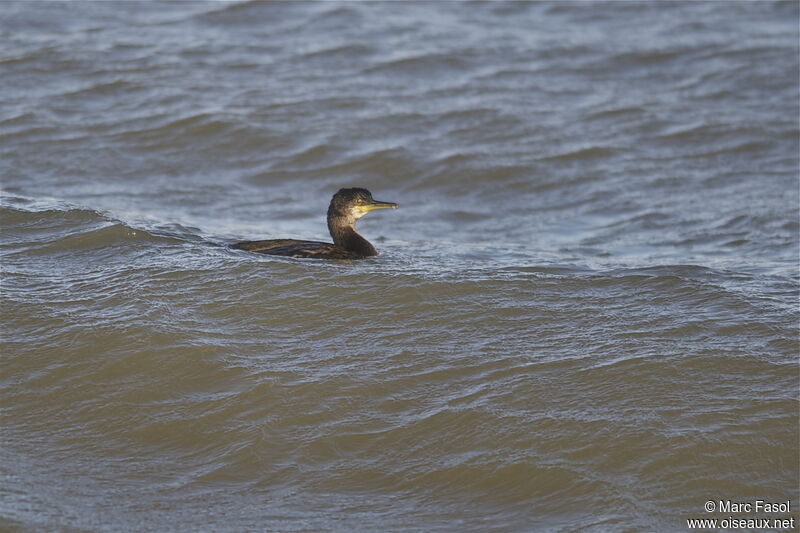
(585, 311)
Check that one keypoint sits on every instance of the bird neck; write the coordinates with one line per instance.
(345, 236)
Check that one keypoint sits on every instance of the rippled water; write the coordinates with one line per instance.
(585, 311)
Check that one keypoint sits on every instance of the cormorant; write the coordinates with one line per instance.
(347, 206)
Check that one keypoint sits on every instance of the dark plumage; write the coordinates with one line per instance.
(347, 206)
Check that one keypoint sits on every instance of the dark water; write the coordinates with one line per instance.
(584, 316)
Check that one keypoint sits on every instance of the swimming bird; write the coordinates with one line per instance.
(347, 206)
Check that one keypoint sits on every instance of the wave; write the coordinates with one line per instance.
(430, 64)
(246, 13)
(39, 227)
(588, 152)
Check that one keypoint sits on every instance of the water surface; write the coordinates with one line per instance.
(585, 311)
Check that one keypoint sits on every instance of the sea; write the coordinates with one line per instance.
(585, 314)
